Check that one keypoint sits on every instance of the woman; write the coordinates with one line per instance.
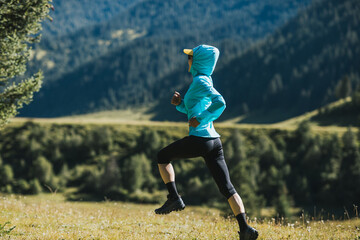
(202, 104)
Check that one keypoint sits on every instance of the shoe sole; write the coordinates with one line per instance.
(253, 236)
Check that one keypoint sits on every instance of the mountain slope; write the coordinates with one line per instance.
(346, 114)
(293, 71)
(70, 16)
(343, 112)
(235, 19)
(136, 73)
(296, 70)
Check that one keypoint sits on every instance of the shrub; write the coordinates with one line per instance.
(35, 187)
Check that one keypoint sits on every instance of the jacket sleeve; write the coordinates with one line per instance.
(181, 107)
(217, 106)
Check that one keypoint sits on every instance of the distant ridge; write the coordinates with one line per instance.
(93, 76)
(293, 71)
(328, 115)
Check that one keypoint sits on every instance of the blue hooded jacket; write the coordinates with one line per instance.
(202, 100)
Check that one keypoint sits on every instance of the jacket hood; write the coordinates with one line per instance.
(204, 60)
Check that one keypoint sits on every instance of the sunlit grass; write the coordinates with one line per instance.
(51, 217)
(177, 126)
(142, 117)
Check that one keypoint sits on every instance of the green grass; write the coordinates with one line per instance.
(175, 129)
(49, 216)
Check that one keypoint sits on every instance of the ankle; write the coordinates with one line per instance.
(173, 194)
(175, 197)
(241, 218)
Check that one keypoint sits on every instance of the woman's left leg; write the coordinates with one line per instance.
(215, 161)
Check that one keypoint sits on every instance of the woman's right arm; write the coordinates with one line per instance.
(178, 102)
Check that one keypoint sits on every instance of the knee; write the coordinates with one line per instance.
(162, 157)
(227, 190)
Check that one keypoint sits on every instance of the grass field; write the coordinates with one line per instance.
(49, 216)
(133, 119)
(289, 126)
(142, 117)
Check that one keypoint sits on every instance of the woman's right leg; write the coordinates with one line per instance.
(186, 147)
(167, 172)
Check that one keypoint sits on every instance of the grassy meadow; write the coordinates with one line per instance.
(226, 126)
(142, 117)
(50, 216)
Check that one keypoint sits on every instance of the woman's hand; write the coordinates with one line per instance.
(176, 99)
(193, 122)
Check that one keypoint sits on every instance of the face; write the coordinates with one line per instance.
(190, 60)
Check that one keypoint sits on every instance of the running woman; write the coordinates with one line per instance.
(202, 104)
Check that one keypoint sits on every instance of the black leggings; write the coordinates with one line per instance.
(208, 148)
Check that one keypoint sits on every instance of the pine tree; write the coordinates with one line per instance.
(243, 172)
(42, 170)
(6, 175)
(235, 149)
(327, 174)
(272, 168)
(356, 98)
(136, 173)
(20, 23)
(343, 88)
(349, 178)
(283, 202)
(110, 178)
(301, 147)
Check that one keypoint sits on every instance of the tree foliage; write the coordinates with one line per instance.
(294, 70)
(124, 62)
(20, 23)
(272, 168)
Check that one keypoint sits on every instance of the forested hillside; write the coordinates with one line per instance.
(70, 16)
(269, 167)
(298, 68)
(125, 61)
(295, 70)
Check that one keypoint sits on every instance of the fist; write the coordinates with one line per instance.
(193, 122)
(176, 99)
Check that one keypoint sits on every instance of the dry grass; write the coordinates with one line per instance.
(142, 117)
(51, 217)
(180, 125)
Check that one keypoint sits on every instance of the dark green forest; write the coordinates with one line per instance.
(166, 20)
(347, 114)
(71, 16)
(117, 71)
(293, 70)
(298, 68)
(275, 167)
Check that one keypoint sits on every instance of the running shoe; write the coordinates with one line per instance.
(249, 234)
(171, 204)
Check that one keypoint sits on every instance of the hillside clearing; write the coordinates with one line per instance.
(181, 125)
(142, 117)
(51, 217)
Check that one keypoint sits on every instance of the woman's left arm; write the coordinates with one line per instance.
(217, 106)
